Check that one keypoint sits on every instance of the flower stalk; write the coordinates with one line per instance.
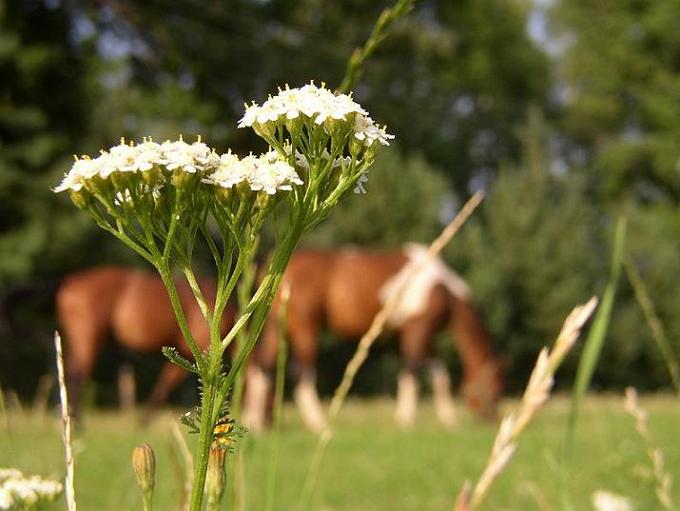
(158, 199)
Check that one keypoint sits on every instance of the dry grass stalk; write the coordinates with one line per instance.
(374, 331)
(662, 478)
(535, 396)
(66, 422)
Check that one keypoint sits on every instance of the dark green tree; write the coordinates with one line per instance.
(451, 80)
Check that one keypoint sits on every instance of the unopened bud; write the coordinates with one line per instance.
(144, 465)
(180, 178)
(356, 146)
(216, 479)
(81, 198)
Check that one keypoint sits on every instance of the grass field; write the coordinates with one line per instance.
(370, 465)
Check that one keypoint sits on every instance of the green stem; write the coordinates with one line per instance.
(164, 271)
(356, 61)
(198, 294)
(148, 501)
(204, 439)
(258, 308)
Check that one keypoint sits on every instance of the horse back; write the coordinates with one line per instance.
(353, 293)
(142, 317)
(90, 295)
(84, 304)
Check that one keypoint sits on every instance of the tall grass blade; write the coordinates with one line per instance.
(591, 354)
(4, 417)
(654, 323)
(356, 61)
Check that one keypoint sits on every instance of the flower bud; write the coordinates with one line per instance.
(216, 479)
(153, 176)
(266, 130)
(81, 198)
(144, 466)
(294, 126)
(120, 180)
(180, 178)
(356, 146)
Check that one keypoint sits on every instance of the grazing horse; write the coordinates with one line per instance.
(133, 307)
(343, 290)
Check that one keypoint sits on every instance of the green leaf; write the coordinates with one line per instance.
(591, 352)
(173, 355)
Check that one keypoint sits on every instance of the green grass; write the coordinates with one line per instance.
(370, 464)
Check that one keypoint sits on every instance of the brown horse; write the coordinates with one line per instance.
(133, 307)
(343, 290)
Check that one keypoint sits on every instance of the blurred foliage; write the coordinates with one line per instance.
(407, 199)
(564, 134)
(620, 80)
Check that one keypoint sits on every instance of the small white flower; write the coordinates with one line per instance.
(123, 197)
(82, 170)
(315, 103)
(6, 500)
(366, 130)
(359, 188)
(10, 473)
(190, 158)
(607, 501)
(230, 172)
(148, 155)
(270, 174)
(178, 155)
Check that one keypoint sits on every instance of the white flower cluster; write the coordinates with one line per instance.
(317, 104)
(130, 157)
(267, 172)
(19, 492)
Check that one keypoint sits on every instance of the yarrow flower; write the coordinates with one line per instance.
(140, 158)
(336, 112)
(316, 103)
(19, 492)
(267, 172)
(366, 130)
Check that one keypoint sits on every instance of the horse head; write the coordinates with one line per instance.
(482, 389)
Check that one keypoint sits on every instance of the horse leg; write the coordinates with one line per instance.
(304, 339)
(308, 402)
(255, 398)
(414, 352)
(83, 344)
(407, 399)
(127, 387)
(441, 394)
